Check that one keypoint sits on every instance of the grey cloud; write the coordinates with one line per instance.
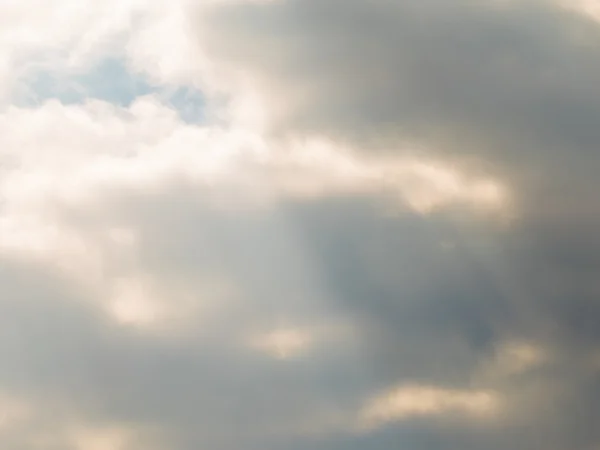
(511, 85)
(203, 387)
(423, 313)
(507, 87)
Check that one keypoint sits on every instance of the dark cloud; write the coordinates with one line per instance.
(508, 85)
(509, 88)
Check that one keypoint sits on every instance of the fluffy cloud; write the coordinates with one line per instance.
(383, 231)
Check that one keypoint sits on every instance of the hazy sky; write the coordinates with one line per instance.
(292, 224)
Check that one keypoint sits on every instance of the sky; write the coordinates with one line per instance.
(291, 224)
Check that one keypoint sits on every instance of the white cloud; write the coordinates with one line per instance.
(283, 343)
(13, 413)
(589, 8)
(69, 155)
(69, 158)
(515, 358)
(290, 342)
(101, 439)
(406, 402)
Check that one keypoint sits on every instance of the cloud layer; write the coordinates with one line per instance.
(320, 223)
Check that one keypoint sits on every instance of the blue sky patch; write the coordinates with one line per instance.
(111, 81)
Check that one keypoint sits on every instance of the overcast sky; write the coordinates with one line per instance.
(292, 224)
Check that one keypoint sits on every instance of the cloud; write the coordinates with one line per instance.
(407, 401)
(507, 88)
(381, 231)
